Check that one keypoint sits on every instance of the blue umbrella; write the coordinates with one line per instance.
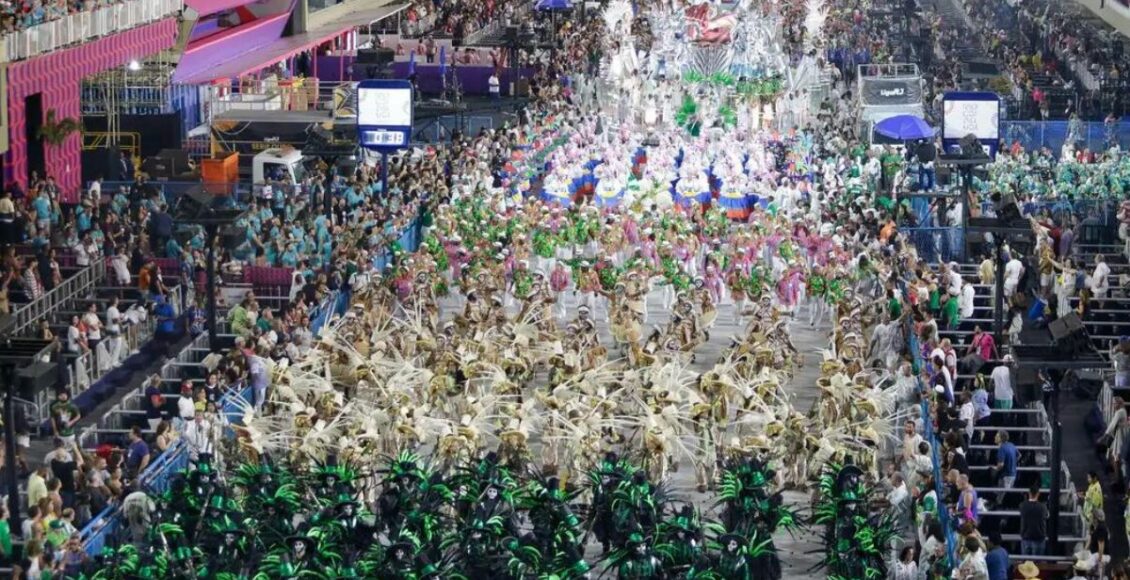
(553, 5)
(412, 63)
(442, 60)
(904, 128)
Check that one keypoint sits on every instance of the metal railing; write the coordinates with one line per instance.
(69, 289)
(81, 27)
(477, 36)
(87, 369)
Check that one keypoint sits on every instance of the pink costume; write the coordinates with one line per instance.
(714, 283)
(631, 231)
(403, 287)
(788, 288)
(682, 253)
(649, 252)
(559, 278)
(741, 264)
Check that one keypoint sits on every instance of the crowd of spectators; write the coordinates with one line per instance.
(16, 15)
(1059, 45)
(457, 19)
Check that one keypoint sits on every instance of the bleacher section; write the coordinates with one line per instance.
(1027, 425)
(89, 379)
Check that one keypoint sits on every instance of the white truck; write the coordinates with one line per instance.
(276, 164)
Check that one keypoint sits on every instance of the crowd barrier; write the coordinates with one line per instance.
(935, 444)
(84, 26)
(1094, 135)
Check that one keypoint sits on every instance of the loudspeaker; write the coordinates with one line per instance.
(1117, 48)
(1068, 334)
(511, 35)
(380, 55)
(193, 203)
(36, 377)
(231, 237)
(1009, 214)
(168, 164)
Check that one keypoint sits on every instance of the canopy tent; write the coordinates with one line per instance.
(904, 128)
(556, 5)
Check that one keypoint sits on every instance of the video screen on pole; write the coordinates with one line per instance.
(979, 117)
(384, 107)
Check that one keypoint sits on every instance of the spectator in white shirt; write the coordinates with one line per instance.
(899, 500)
(910, 441)
(93, 325)
(114, 316)
(76, 342)
(1099, 281)
(91, 248)
(952, 279)
(1013, 271)
(198, 436)
(112, 350)
(1002, 384)
(94, 194)
(965, 304)
(120, 264)
(82, 257)
(186, 409)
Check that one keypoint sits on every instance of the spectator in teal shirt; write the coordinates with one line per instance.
(42, 206)
(97, 236)
(289, 257)
(82, 219)
(172, 248)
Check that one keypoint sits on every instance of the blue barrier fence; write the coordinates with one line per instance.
(322, 313)
(409, 241)
(948, 527)
(103, 530)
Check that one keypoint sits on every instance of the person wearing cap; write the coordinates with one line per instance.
(64, 416)
(186, 410)
(1002, 384)
(1028, 569)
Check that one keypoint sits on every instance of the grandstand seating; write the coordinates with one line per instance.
(1028, 426)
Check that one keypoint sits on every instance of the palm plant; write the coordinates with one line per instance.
(54, 131)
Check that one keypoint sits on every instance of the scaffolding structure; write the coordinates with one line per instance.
(142, 89)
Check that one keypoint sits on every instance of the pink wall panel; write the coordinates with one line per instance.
(58, 76)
